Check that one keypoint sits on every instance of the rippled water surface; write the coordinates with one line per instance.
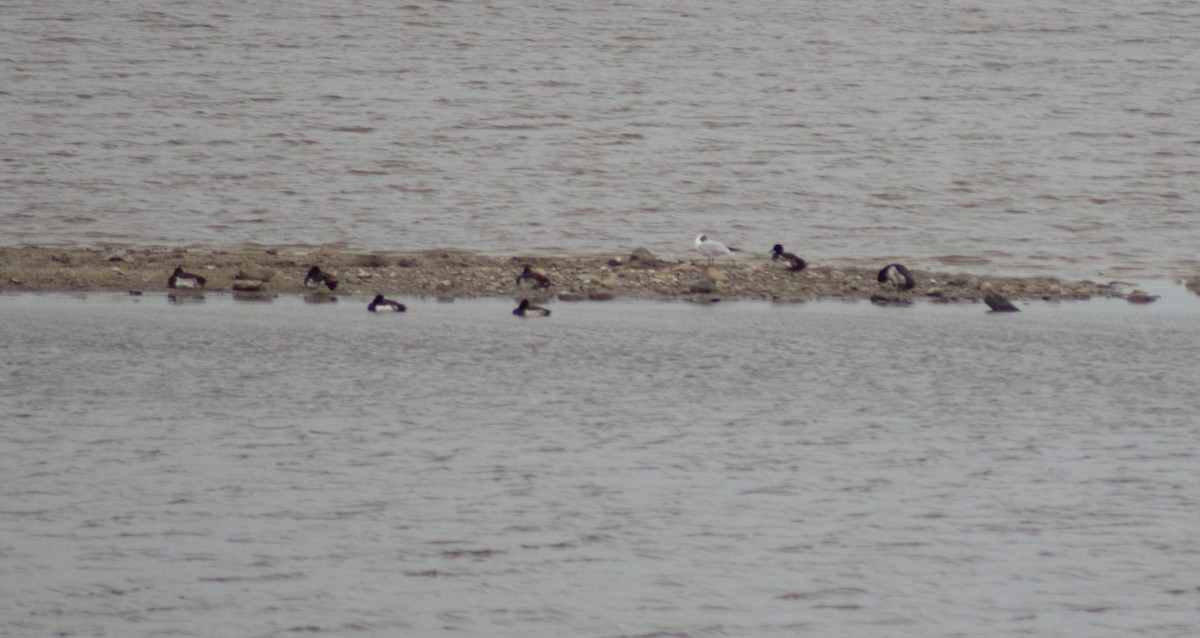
(213, 467)
(1013, 135)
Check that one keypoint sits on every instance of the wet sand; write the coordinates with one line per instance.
(266, 270)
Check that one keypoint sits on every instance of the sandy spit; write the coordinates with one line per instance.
(266, 270)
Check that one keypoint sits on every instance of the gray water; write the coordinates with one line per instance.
(1051, 136)
(220, 468)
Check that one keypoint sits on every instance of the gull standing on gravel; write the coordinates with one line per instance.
(713, 249)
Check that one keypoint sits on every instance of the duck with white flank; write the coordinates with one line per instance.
(713, 249)
(181, 279)
(795, 263)
(379, 304)
(316, 278)
(898, 276)
(526, 310)
(536, 276)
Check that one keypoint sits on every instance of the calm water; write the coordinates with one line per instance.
(1052, 136)
(620, 469)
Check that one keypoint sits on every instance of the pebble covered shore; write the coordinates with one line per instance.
(635, 274)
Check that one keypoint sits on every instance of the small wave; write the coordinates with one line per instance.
(66, 39)
(962, 260)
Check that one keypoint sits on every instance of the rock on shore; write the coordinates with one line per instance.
(449, 273)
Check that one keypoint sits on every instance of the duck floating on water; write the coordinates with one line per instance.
(527, 310)
(379, 304)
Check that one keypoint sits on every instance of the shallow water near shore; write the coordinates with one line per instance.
(619, 469)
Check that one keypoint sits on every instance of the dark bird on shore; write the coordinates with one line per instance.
(379, 304)
(998, 303)
(181, 279)
(526, 310)
(316, 278)
(537, 277)
(898, 276)
(796, 263)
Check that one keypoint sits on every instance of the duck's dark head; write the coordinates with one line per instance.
(314, 271)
